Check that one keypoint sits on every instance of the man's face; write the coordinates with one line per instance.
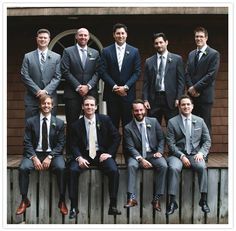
(139, 111)
(82, 37)
(43, 40)
(200, 39)
(160, 45)
(120, 36)
(89, 107)
(185, 107)
(46, 106)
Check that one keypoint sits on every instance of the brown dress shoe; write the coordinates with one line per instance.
(23, 206)
(131, 203)
(156, 205)
(63, 208)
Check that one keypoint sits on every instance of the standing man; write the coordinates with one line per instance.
(79, 67)
(189, 142)
(43, 145)
(202, 68)
(120, 69)
(144, 144)
(95, 141)
(163, 81)
(40, 73)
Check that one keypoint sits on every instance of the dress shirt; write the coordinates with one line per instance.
(79, 49)
(44, 53)
(189, 121)
(48, 121)
(202, 51)
(164, 58)
(93, 120)
(120, 51)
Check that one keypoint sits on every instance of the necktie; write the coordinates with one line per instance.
(83, 57)
(160, 74)
(43, 59)
(142, 131)
(119, 56)
(44, 135)
(92, 144)
(188, 136)
(197, 58)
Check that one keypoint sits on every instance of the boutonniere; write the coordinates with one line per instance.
(98, 126)
(205, 52)
(127, 52)
(148, 125)
(194, 121)
(89, 54)
(169, 60)
(53, 124)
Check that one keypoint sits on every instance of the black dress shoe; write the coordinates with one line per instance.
(113, 211)
(204, 205)
(171, 208)
(73, 213)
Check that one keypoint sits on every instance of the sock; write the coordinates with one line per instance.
(172, 198)
(62, 198)
(157, 197)
(131, 195)
(24, 197)
(203, 196)
(113, 202)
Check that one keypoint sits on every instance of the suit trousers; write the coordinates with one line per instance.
(175, 166)
(57, 166)
(160, 172)
(108, 167)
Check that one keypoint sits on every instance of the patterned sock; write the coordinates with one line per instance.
(157, 197)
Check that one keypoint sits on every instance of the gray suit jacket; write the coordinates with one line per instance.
(176, 140)
(173, 79)
(133, 140)
(74, 73)
(36, 79)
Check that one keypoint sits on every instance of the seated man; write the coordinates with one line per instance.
(43, 145)
(95, 141)
(189, 142)
(144, 145)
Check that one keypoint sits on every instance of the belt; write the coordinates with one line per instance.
(160, 92)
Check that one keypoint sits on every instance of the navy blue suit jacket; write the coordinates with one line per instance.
(111, 75)
(108, 137)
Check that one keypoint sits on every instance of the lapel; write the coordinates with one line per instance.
(114, 55)
(36, 59)
(81, 126)
(52, 129)
(136, 130)
(98, 129)
(153, 64)
(180, 122)
(37, 128)
(204, 56)
(148, 129)
(169, 57)
(126, 55)
(194, 122)
(77, 55)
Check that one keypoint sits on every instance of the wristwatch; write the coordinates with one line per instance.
(50, 157)
(126, 87)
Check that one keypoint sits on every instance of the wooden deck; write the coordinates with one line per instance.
(93, 198)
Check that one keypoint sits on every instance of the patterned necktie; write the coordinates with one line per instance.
(142, 131)
(160, 74)
(119, 57)
(197, 58)
(43, 59)
(83, 57)
(188, 137)
(92, 144)
(44, 135)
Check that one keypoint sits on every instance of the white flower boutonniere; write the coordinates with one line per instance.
(148, 125)
(127, 52)
(89, 54)
(53, 124)
(194, 121)
(169, 60)
(98, 126)
(204, 53)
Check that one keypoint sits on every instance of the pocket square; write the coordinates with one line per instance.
(91, 58)
(195, 129)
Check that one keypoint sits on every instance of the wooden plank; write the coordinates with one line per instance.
(31, 212)
(122, 198)
(16, 197)
(96, 197)
(44, 192)
(223, 200)
(198, 215)
(9, 196)
(83, 197)
(134, 212)
(147, 197)
(187, 196)
(56, 216)
(213, 180)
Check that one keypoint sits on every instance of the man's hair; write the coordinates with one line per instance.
(201, 29)
(40, 31)
(137, 101)
(185, 97)
(118, 26)
(157, 35)
(90, 97)
(44, 97)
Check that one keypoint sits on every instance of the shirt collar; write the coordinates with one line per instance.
(44, 52)
(88, 120)
(203, 48)
(184, 117)
(140, 122)
(163, 55)
(48, 117)
(122, 47)
(84, 48)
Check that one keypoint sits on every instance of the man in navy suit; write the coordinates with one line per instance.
(95, 141)
(189, 141)
(79, 66)
(43, 145)
(40, 73)
(120, 69)
(163, 81)
(201, 71)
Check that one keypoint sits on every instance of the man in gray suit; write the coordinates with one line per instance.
(189, 142)
(79, 66)
(144, 145)
(163, 80)
(40, 73)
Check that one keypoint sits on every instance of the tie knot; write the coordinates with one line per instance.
(161, 57)
(44, 119)
(198, 52)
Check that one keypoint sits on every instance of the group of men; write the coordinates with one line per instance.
(94, 139)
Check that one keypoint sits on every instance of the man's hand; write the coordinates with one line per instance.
(186, 162)
(157, 155)
(192, 91)
(120, 90)
(145, 163)
(104, 156)
(147, 105)
(41, 93)
(83, 163)
(46, 163)
(198, 157)
(37, 164)
(82, 90)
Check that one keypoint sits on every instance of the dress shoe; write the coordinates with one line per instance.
(73, 213)
(63, 208)
(156, 205)
(113, 211)
(131, 203)
(23, 206)
(204, 205)
(171, 208)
